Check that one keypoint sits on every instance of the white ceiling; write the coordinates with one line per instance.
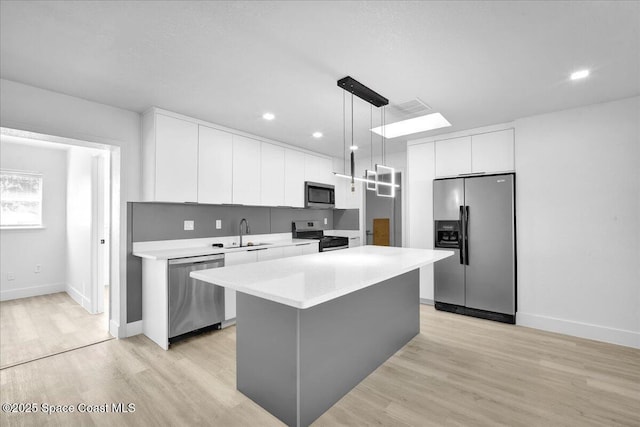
(478, 63)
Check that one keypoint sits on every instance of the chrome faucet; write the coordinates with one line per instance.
(247, 229)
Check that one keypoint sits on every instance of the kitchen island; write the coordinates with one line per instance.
(310, 328)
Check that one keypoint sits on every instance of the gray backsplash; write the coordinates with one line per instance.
(149, 221)
(346, 219)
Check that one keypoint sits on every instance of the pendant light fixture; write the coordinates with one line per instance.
(383, 176)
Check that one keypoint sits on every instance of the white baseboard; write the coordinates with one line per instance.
(134, 328)
(115, 329)
(579, 329)
(75, 295)
(32, 291)
(426, 301)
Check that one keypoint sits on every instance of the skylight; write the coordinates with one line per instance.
(415, 125)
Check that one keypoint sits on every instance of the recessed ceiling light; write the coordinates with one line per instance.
(353, 148)
(415, 125)
(268, 116)
(580, 74)
(317, 134)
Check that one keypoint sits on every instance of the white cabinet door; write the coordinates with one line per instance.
(235, 258)
(270, 253)
(453, 156)
(318, 169)
(294, 178)
(310, 248)
(215, 160)
(420, 174)
(272, 175)
(492, 152)
(246, 171)
(176, 157)
(354, 242)
(289, 251)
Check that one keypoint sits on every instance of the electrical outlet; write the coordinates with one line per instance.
(188, 225)
(325, 221)
(11, 276)
(38, 268)
(218, 224)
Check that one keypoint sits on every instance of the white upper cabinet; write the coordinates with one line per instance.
(188, 160)
(176, 160)
(215, 160)
(318, 169)
(492, 152)
(272, 175)
(453, 156)
(246, 171)
(294, 178)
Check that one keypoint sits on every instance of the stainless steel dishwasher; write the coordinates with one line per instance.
(193, 304)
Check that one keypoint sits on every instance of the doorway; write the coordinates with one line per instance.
(57, 297)
(383, 217)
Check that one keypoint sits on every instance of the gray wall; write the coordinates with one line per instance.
(164, 221)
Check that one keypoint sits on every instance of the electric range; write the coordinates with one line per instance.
(313, 230)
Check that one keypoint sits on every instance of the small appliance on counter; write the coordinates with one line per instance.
(313, 230)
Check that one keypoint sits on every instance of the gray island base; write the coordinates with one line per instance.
(297, 363)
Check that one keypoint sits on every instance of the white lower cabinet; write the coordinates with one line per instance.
(290, 251)
(265, 254)
(235, 258)
(309, 248)
(354, 242)
(255, 255)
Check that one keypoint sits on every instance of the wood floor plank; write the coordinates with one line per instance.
(39, 326)
(459, 371)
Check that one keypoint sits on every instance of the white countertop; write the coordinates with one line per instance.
(308, 280)
(209, 250)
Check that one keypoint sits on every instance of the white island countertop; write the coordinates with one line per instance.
(308, 280)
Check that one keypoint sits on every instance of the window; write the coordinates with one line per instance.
(21, 199)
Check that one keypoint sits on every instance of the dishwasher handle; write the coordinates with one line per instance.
(197, 259)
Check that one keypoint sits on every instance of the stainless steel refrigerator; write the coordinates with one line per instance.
(475, 217)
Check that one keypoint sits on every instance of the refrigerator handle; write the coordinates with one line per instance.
(466, 235)
(461, 238)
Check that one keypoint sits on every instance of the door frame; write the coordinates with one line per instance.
(117, 290)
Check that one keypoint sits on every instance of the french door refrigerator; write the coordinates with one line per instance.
(475, 217)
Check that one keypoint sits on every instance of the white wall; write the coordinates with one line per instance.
(578, 224)
(80, 193)
(578, 218)
(22, 250)
(419, 228)
(36, 110)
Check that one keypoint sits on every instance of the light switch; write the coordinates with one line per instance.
(325, 221)
(218, 224)
(188, 225)
(11, 276)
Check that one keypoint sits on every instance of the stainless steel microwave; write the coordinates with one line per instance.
(317, 195)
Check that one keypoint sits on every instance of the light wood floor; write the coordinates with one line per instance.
(34, 327)
(458, 371)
